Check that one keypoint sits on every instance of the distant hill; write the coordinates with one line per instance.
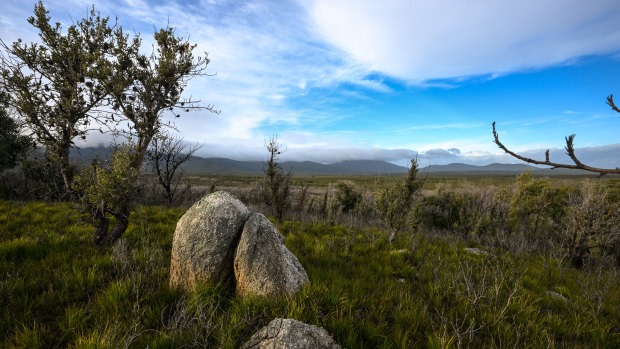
(496, 168)
(351, 167)
(222, 166)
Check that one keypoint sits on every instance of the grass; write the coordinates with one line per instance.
(57, 290)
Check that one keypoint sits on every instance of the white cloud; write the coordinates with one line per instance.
(436, 39)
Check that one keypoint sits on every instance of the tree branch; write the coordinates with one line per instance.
(610, 102)
(570, 151)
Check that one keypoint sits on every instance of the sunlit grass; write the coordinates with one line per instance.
(57, 290)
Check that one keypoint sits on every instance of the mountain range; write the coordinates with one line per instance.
(222, 166)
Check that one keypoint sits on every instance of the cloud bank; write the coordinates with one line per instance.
(440, 39)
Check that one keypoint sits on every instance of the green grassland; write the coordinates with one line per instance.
(424, 290)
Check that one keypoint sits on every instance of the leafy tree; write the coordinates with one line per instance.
(166, 155)
(278, 181)
(395, 202)
(141, 90)
(13, 145)
(58, 85)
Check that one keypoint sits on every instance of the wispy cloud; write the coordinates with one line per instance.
(423, 40)
(311, 71)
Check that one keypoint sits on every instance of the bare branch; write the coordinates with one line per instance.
(610, 102)
(570, 151)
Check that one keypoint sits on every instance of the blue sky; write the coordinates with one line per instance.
(340, 79)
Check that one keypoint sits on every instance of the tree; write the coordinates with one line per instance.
(570, 151)
(141, 90)
(166, 155)
(395, 201)
(13, 145)
(278, 181)
(56, 86)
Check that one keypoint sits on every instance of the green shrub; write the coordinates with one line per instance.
(465, 213)
(536, 206)
(395, 202)
(347, 196)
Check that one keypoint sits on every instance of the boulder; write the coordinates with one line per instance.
(290, 334)
(205, 239)
(263, 266)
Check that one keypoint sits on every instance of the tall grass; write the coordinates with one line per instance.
(57, 290)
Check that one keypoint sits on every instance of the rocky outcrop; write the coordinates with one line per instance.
(290, 334)
(263, 266)
(205, 240)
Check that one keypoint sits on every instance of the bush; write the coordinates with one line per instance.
(465, 213)
(590, 229)
(394, 203)
(347, 196)
(536, 206)
(36, 178)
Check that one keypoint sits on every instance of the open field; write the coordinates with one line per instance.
(423, 290)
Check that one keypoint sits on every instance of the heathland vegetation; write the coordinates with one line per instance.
(400, 261)
(475, 265)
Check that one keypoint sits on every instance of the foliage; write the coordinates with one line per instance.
(107, 190)
(278, 182)
(57, 86)
(394, 203)
(13, 145)
(107, 187)
(56, 289)
(347, 196)
(536, 205)
(466, 213)
(591, 225)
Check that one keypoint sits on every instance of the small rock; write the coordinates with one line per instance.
(263, 266)
(556, 295)
(291, 334)
(401, 280)
(476, 251)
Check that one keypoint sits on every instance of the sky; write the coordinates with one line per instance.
(385, 80)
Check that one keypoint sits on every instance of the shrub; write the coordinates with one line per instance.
(347, 196)
(109, 190)
(466, 212)
(536, 206)
(591, 225)
(394, 203)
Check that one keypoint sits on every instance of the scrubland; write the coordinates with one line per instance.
(482, 262)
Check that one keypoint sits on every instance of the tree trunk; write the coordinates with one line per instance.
(103, 225)
(392, 235)
(65, 169)
(105, 237)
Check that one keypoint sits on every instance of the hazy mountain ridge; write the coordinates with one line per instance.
(223, 166)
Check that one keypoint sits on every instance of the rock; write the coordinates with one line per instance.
(263, 266)
(555, 295)
(293, 334)
(205, 239)
(476, 251)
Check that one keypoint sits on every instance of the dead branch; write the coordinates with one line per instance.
(610, 102)
(570, 151)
